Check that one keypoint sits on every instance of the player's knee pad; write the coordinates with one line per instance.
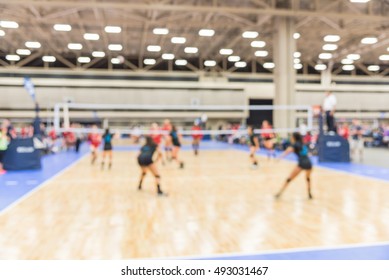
(251, 155)
(288, 180)
(308, 179)
(157, 176)
(143, 173)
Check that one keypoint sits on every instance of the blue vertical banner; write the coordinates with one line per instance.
(29, 86)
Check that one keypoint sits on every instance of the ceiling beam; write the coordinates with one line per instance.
(200, 8)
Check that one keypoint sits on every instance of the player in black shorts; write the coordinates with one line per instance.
(107, 149)
(146, 162)
(254, 146)
(304, 163)
(175, 139)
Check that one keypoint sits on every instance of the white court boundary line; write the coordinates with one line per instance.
(39, 187)
(286, 251)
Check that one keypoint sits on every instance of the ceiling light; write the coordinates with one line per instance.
(49, 58)
(115, 60)
(296, 36)
(240, 64)
(297, 55)
(250, 34)
(348, 67)
(297, 60)
(330, 47)
(354, 56)
(161, 31)
(347, 61)
(207, 32)
(331, 38)
(258, 44)
(369, 40)
(373, 68)
(83, 59)
(12, 57)
(325, 56)
(261, 53)
(153, 48)
(320, 67)
(298, 66)
(115, 47)
(210, 63)
(226, 51)
(269, 65)
(233, 58)
(113, 29)
(91, 36)
(8, 24)
(191, 50)
(62, 27)
(178, 40)
(168, 56)
(384, 57)
(181, 62)
(149, 61)
(33, 45)
(98, 54)
(23, 52)
(2, 33)
(74, 46)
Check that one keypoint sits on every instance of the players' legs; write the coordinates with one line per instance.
(110, 156)
(269, 145)
(103, 160)
(196, 146)
(253, 158)
(175, 156)
(93, 154)
(154, 171)
(142, 176)
(296, 171)
(308, 178)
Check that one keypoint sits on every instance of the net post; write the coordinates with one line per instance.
(66, 121)
(57, 111)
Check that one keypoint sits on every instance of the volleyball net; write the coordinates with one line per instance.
(214, 120)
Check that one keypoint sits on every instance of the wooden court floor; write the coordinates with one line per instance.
(216, 205)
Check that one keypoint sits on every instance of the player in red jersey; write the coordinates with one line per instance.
(156, 136)
(197, 136)
(94, 139)
(167, 127)
(268, 138)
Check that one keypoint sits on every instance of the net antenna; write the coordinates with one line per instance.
(63, 112)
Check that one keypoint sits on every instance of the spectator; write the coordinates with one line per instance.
(3, 147)
(344, 131)
(357, 142)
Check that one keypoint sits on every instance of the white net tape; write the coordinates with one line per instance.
(66, 109)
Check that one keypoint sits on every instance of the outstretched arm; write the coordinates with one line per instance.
(286, 152)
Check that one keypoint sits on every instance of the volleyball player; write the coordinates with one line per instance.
(94, 139)
(107, 148)
(156, 135)
(175, 139)
(167, 127)
(268, 139)
(304, 163)
(197, 136)
(254, 146)
(146, 163)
